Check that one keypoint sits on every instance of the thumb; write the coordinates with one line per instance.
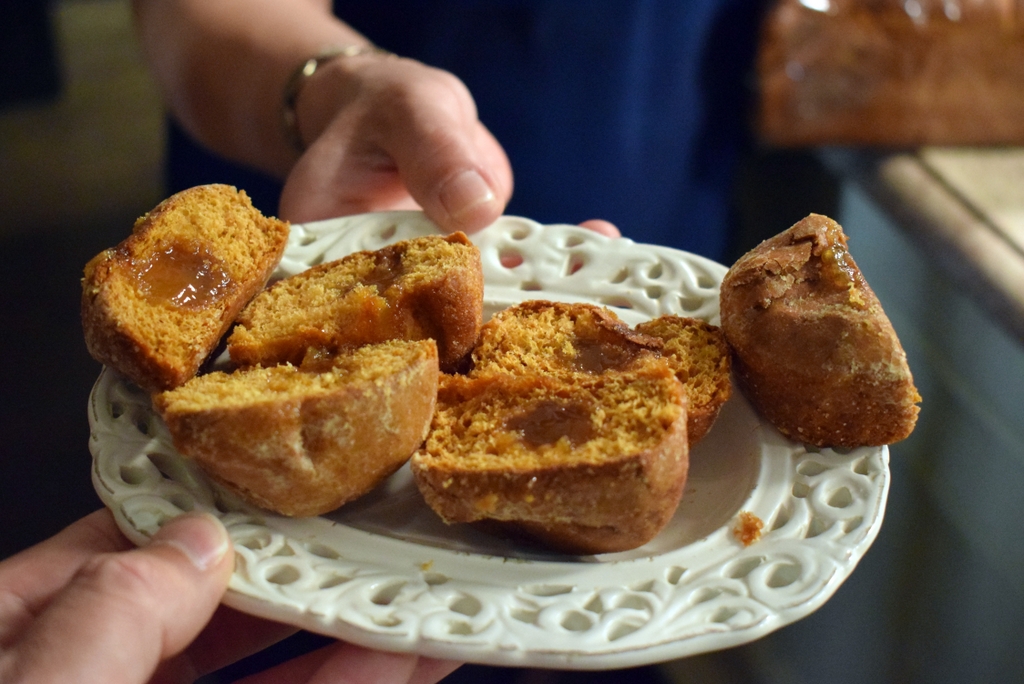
(123, 613)
(413, 142)
(457, 171)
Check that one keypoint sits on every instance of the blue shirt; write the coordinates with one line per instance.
(634, 112)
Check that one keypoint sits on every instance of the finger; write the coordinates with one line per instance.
(603, 227)
(229, 637)
(451, 164)
(413, 142)
(431, 670)
(338, 177)
(29, 580)
(295, 671)
(123, 613)
(340, 663)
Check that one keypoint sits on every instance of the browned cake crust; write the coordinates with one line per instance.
(814, 351)
(876, 73)
(582, 463)
(155, 306)
(300, 442)
(702, 360)
(429, 287)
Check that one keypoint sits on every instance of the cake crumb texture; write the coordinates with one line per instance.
(701, 358)
(156, 305)
(600, 469)
(429, 287)
(569, 429)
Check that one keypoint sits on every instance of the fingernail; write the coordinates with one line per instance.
(200, 536)
(464, 192)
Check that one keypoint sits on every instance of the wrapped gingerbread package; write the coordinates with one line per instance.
(894, 73)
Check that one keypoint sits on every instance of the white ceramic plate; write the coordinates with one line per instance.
(384, 572)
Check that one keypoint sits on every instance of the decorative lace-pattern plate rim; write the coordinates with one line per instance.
(383, 572)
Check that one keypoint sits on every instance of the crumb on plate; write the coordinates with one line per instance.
(748, 528)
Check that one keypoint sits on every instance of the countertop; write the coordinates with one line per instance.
(963, 207)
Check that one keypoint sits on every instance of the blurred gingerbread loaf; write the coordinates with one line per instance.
(892, 73)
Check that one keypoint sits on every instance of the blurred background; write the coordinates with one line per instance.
(938, 230)
(80, 159)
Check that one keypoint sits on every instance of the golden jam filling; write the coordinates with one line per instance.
(549, 421)
(597, 357)
(387, 269)
(185, 276)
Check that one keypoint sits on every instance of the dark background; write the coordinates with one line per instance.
(77, 166)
